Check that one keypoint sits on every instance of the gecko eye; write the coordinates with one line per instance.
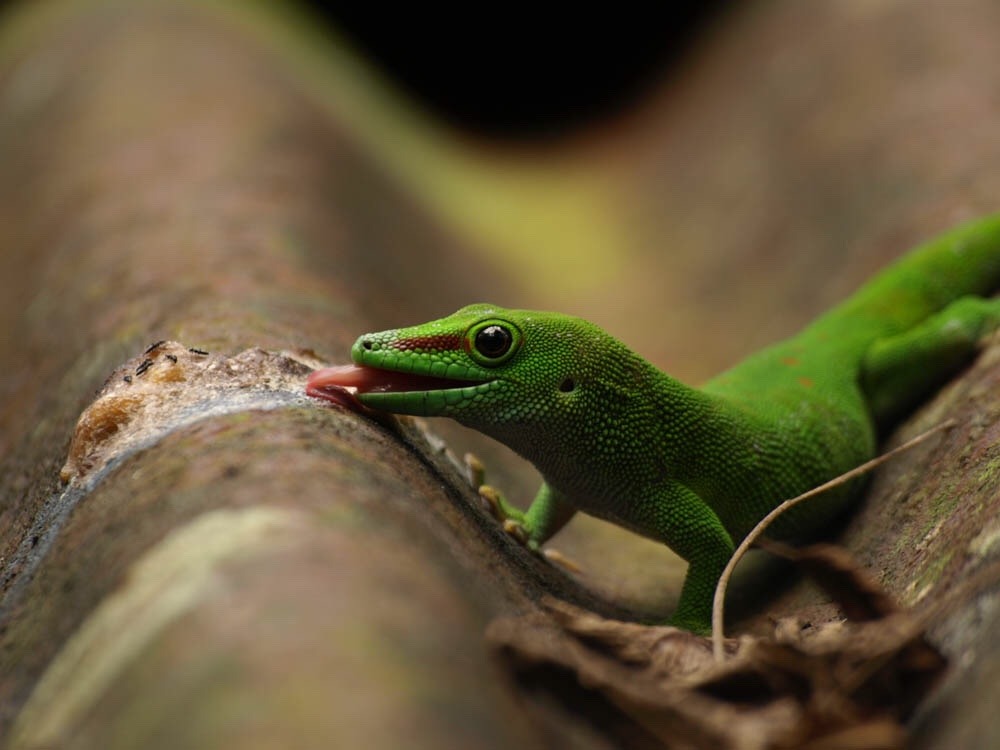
(493, 341)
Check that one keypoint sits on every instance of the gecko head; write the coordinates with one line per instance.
(488, 367)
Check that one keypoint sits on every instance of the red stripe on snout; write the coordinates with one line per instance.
(438, 342)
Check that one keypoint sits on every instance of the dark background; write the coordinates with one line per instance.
(500, 71)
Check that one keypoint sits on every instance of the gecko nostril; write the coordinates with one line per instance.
(367, 345)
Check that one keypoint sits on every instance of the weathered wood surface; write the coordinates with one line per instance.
(282, 574)
(275, 576)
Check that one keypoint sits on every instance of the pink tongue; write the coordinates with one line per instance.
(341, 384)
(362, 379)
(338, 384)
(345, 376)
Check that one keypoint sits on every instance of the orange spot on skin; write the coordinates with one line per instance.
(806, 382)
(790, 361)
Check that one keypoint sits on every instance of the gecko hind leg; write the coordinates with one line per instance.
(901, 371)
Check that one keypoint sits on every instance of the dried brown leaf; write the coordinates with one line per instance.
(839, 575)
(839, 685)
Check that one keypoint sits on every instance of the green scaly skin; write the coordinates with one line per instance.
(615, 437)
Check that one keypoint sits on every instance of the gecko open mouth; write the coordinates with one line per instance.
(344, 383)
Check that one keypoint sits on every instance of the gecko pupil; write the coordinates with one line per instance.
(493, 341)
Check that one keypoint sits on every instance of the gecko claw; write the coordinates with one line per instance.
(568, 564)
(512, 525)
(516, 530)
(475, 470)
(491, 498)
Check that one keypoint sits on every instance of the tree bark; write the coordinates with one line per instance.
(271, 574)
(231, 565)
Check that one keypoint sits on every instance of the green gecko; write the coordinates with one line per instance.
(694, 468)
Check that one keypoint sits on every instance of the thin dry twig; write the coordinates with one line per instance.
(762, 525)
